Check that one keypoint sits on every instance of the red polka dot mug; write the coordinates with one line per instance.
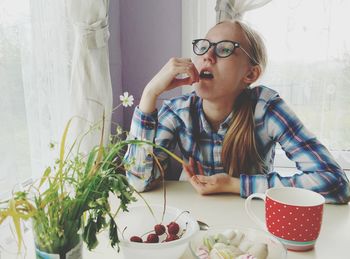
(293, 215)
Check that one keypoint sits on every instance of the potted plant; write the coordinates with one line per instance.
(69, 203)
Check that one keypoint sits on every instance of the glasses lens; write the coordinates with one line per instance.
(200, 47)
(224, 49)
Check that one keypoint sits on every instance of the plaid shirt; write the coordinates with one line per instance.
(181, 119)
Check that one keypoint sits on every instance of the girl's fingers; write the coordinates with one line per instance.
(193, 164)
(204, 179)
(187, 68)
(198, 184)
(183, 60)
(187, 71)
(200, 168)
(191, 161)
(179, 82)
(188, 170)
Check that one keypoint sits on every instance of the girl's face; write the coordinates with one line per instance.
(228, 73)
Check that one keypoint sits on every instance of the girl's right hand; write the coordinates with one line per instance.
(166, 80)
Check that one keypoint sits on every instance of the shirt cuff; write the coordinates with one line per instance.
(253, 184)
(143, 125)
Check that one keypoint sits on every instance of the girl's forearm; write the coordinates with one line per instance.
(148, 101)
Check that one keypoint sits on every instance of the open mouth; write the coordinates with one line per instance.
(204, 74)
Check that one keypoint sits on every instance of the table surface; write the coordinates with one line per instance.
(226, 209)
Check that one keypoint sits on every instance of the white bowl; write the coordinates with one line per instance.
(139, 220)
(275, 248)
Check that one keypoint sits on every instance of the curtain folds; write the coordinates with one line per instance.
(90, 88)
(55, 67)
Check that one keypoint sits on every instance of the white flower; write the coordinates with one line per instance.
(126, 99)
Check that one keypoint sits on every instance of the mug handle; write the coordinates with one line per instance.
(248, 209)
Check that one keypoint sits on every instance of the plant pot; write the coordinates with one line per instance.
(53, 244)
(75, 253)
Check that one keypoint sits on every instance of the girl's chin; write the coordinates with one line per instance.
(202, 89)
(203, 94)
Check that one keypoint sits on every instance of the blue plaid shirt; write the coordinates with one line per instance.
(181, 122)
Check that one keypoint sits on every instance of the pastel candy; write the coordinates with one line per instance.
(209, 242)
(229, 234)
(222, 251)
(238, 238)
(246, 256)
(259, 250)
(220, 238)
(245, 244)
(202, 252)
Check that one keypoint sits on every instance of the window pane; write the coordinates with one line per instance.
(309, 62)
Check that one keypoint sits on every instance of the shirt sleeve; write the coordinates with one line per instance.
(318, 170)
(141, 169)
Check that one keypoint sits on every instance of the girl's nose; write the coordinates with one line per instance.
(210, 56)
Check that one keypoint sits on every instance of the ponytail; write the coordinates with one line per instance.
(239, 152)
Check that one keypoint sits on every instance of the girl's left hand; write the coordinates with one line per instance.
(218, 183)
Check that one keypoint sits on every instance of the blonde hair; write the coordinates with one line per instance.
(239, 151)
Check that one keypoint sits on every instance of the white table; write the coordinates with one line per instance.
(333, 242)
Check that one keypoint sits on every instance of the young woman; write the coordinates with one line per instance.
(226, 130)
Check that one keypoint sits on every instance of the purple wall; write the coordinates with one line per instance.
(150, 35)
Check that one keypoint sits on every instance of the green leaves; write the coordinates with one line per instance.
(76, 187)
(89, 235)
(45, 176)
(113, 233)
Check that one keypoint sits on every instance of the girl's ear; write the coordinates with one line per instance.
(252, 75)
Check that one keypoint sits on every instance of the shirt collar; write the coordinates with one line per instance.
(204, 124)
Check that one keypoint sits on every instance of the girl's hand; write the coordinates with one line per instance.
(166, 80)
(218, 183)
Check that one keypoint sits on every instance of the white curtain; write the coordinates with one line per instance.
(46, 73)
(43, 86)
(14, 146)
(91, 89)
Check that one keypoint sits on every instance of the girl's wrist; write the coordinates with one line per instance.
(148, 101)
(235, 185)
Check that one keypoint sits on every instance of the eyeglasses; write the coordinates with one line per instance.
(222, 49)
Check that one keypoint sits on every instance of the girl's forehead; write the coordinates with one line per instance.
(225, 31)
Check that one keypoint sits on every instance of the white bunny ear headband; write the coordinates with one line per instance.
(235, 9)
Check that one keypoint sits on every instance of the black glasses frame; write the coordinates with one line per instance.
(236, 45)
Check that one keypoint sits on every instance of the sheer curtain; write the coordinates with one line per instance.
(46, 55)
(38, 94)
(309, 61)
(14, 146)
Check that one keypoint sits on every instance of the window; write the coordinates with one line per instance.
(309, 62)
